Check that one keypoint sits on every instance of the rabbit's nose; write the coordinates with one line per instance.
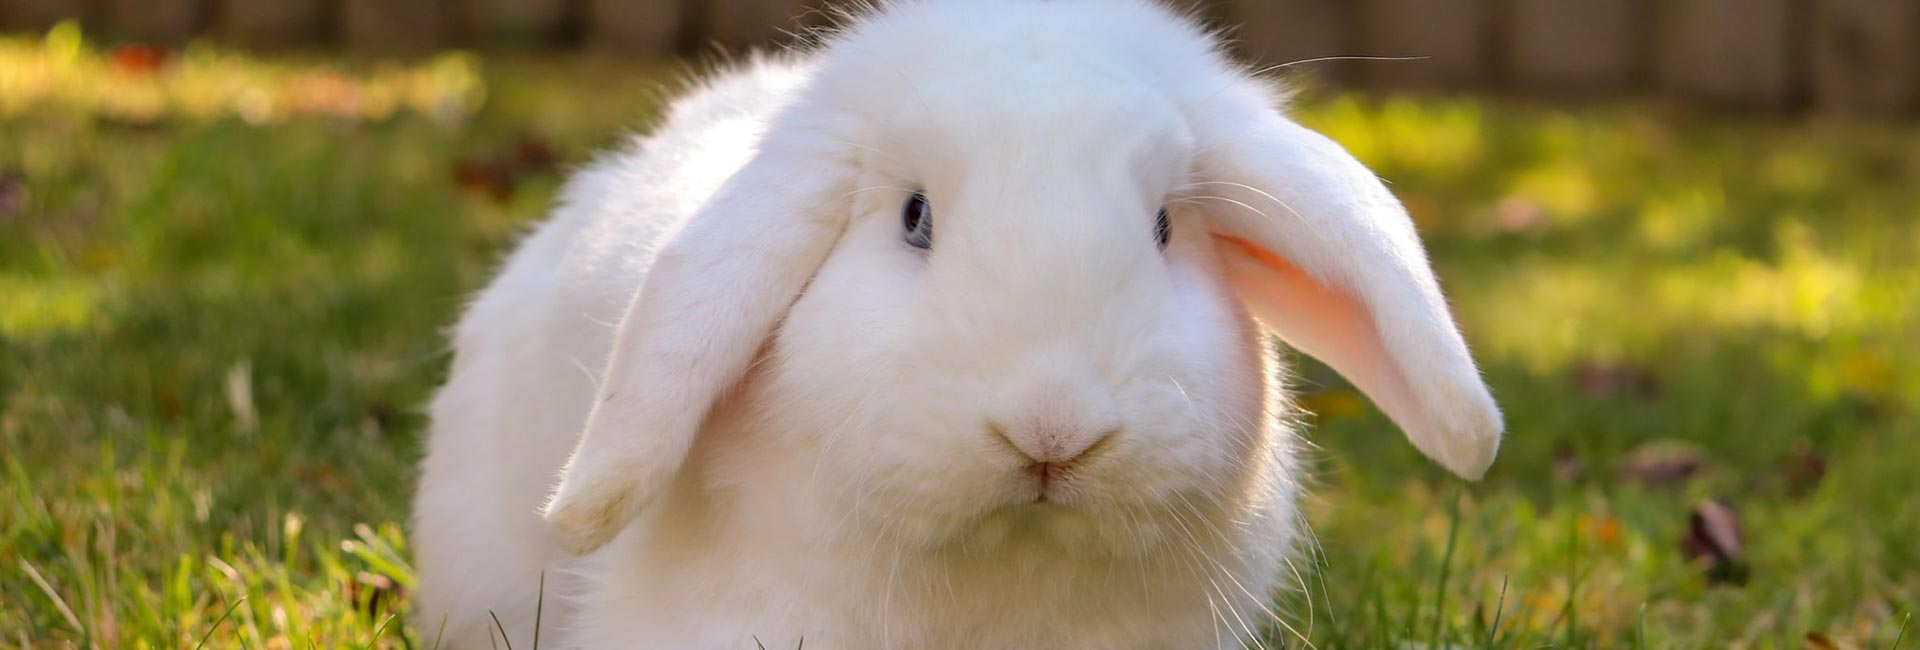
(1058, 417)
(1054, 444)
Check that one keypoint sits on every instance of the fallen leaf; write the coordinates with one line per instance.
(1603, 529)
(1714, 540)
(373, 593)
(384, 415)
(13, 194)
(137, 60)
(1517, 214)
(533, 155)
(1567, 466)
(170, 404)
(1600, 379)
(320, 476)
(1805, 468)
(1663, 463)
(484, 177)
(1608, 531)
(499, 175)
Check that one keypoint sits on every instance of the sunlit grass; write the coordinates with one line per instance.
(217, 325)
(142, 84)
(1763, 277)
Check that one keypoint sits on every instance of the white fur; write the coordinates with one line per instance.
(809, 430)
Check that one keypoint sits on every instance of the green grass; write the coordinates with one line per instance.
(218, 324)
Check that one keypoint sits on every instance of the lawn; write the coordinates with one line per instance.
(224, 282)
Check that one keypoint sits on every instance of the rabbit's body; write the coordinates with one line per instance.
(529, 351)
(730, 555)
(1049, 421)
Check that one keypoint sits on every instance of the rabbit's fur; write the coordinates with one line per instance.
(1045, 431)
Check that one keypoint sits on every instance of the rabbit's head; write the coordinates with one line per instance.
(1007, 265)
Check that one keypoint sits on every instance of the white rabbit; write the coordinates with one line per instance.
(940, 337)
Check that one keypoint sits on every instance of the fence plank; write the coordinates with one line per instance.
(171, 22)
(1455, 36)
(640, 26)
(1580, 46)
(1273, 32)
(522, 22)
(741, 24)
(278, 23)
(37, 15)
(393, 26)
(1866, 54)
(1731, 52)
(1848, 55)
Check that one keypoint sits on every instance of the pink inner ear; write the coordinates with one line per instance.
(1331, 325)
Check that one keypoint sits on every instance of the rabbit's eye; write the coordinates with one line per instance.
(917, 220)
(1162, 229)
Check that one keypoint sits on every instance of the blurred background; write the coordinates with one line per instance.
(1681, 236)
(1768, 54)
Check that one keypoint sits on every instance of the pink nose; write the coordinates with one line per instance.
(1051, 444)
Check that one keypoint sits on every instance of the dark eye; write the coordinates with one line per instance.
(1162, 229)
(916, 218)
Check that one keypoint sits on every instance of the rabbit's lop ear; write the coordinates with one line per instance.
(715, 293)
(1325, 257)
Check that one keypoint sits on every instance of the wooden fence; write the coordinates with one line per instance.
(1847, 55)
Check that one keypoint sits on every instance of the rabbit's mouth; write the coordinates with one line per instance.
(1070, 519)
(1047, 477)
(1053, 483)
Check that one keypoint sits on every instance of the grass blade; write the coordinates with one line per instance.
(216, 623)
(1498, 609)
(1640, 629)
(59, 604)
(378, 631)
(1570, 615)
(1446, 566)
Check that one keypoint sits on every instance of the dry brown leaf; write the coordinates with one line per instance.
(137, 60)
(373, 593)
(13, 193)
(1663, 463)
(1602, 379)
(1805, 468)
(1715, 541)
(1567, 466)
